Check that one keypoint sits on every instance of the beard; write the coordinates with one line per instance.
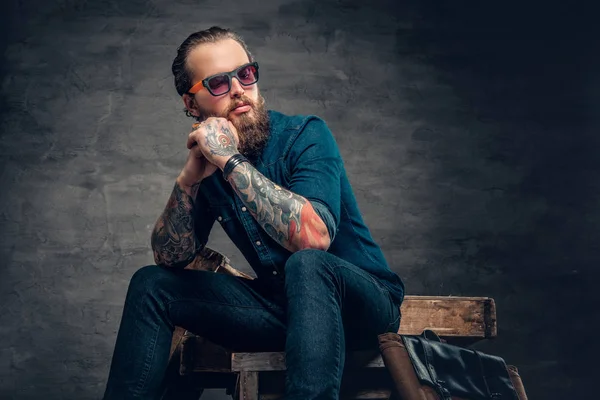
(252, 126)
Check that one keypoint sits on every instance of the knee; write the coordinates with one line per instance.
(304, 264)
(148, 280)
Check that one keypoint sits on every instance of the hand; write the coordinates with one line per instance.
(197, 167)
(217, 139)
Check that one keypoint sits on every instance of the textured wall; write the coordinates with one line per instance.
(470, 136)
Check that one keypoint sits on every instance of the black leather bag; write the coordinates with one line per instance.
(424, 368)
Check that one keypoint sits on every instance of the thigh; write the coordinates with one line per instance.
(226, 310)
(368, 308)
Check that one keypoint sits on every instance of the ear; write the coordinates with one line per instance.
(191, 104)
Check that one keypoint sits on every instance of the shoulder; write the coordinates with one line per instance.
(282, 122)
(291, 129)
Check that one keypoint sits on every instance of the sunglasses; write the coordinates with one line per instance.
(220, 84)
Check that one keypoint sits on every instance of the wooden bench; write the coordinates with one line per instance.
(250, 376)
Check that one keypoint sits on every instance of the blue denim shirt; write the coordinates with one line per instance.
(302, 156)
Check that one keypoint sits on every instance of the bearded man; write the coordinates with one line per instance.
(278, 187)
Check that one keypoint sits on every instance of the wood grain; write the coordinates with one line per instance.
(360, 395)
(248, 387)
(449, 316)
(275, 361)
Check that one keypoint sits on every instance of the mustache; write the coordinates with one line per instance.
(243, 99)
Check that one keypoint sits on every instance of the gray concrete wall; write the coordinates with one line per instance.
(470, 136)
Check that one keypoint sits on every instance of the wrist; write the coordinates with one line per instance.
(224, 160)
(231, 163)
(186, 183)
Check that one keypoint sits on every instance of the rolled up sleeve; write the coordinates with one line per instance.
(315, 166)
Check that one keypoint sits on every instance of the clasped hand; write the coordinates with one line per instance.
(216, 138)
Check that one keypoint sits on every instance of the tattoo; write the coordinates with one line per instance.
(221, 141)
(173, 239)
(285, 216)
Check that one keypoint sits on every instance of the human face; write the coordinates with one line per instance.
(237, 105)
(242, 105)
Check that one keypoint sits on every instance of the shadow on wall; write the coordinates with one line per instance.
(507, 131)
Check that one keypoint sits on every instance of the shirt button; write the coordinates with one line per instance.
(258, 243)
(243, 208)
(274, 272)
(220, 218)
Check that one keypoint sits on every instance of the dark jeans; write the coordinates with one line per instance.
(325, 307)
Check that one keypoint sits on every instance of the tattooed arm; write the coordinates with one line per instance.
(287, 217)
(173, 240)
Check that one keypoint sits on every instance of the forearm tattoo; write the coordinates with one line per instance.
(173, 239)
(286, 217)
(221, 141)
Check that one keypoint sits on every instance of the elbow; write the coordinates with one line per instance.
(322, 243)
(162, 261)
(179, 262)
(172, 264)
(167, 256)
(322, 247)
(321, 233)
(315, 239)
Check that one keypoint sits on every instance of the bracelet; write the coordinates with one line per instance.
(233, 162)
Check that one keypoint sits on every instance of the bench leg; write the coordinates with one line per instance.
(248, 386)
(179, 387)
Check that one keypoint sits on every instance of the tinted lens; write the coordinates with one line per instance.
(219, 84)
(248, 75)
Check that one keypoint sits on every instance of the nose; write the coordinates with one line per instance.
(236, 88)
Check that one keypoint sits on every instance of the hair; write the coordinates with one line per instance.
(214, 34)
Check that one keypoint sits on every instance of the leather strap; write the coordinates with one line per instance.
(491, 385)
(482, 371)
(233, 162)
(439, 384)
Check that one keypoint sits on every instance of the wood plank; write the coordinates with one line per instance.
(449, 316)
(275, 361)
(248, 386)
(263, 361)
(360, 395)
(201, 355)
(176, 342)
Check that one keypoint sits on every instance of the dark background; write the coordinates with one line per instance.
(469, 131)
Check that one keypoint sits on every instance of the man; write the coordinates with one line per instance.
(278, 187)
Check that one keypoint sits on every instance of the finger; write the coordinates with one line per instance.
(233, 129)
(197, 152)
(191, 141)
